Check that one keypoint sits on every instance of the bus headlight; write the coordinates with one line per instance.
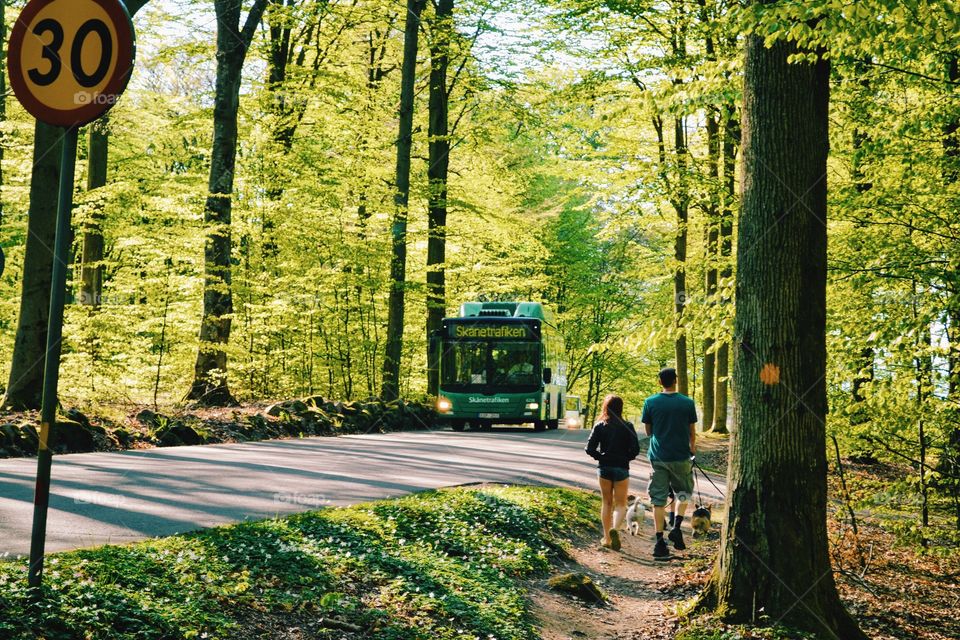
(533, 406)
(444, 405)
(573, 422)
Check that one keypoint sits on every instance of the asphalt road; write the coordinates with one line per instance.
(100, 498)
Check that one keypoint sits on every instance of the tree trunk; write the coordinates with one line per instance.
(681, 206)
(953, 362)
(210, 373)
(708, 397)
(731, 138)
(925, 384)
(286, 48)
(951, 173)
(437, 172)
(280, 33)
(25, 388)
(398, 262)
(376, 54)
(91, 282)
(3, 96)
(25, 385)
(774, 558)
(865, 366)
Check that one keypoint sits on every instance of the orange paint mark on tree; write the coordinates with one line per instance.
(770, 374)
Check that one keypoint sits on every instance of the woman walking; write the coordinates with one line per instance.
(613, 444)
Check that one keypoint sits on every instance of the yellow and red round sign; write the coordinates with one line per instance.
(70, 60)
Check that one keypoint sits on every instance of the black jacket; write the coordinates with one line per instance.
(613, 444)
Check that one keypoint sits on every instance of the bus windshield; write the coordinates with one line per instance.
(491, 366)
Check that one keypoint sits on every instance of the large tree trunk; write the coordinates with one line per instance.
(25, 388)
(398, 262)
(438, 171)
(210, 373)
(774, 558)
(731, 138)
(91, 281)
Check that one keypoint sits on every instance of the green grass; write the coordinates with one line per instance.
(440, 565)
(719, 631)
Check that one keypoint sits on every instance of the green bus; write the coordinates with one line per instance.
(500, 363)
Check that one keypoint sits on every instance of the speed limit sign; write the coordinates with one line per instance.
(70, 60)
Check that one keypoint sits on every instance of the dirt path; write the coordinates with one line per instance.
(644, 593)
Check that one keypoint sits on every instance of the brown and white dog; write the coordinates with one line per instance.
(700, 520)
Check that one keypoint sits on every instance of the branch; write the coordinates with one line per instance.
(900, 454)
(915, 74)
(253, 21)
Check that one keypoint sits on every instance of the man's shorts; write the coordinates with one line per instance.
(678, 475)
(615, 474)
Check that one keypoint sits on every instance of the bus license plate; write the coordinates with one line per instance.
(489, 415)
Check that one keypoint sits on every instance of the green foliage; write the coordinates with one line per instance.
(720, 631)
(440, 564)
(564, 187)
(546, 202)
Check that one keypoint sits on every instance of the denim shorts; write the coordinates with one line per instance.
(613, 473)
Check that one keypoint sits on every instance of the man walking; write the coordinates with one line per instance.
(670, 420)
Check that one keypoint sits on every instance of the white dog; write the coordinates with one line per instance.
(635, 516)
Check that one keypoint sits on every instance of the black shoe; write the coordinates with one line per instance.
(670, 517)
(660, 551)
(676, 537)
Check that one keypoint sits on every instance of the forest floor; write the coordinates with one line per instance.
(895, 588)
(897, 591)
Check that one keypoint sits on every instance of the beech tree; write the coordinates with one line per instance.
(91, 283)
(731, 140)
(442, 32)
(233, 41)
(25, 387)
(398, 262)
(774, 549)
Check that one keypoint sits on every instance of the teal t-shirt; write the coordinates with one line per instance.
(671, 415)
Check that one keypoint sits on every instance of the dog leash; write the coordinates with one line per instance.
(697, 467)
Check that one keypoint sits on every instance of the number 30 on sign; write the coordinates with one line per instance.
(70, 60)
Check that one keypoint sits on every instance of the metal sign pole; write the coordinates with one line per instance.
(51, 369)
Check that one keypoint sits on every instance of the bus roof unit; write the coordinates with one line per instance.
(505, 310)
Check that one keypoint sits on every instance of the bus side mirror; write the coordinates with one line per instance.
(547, 375)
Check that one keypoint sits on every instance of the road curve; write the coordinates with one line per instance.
(104, 498)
